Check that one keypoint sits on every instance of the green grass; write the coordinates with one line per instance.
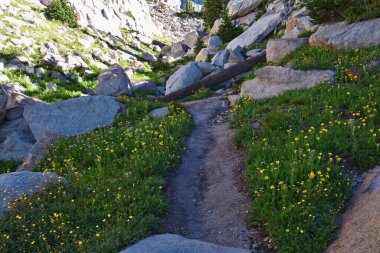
(322, 58)
(114, 196)
(10, 52)
(37, 86)
(306, 34)
(8, 166)
(303, 147)
(202, 93)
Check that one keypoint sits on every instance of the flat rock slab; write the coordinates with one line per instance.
(257, 32)
(183, 77)
(71, 117)
(272, 81)
(169, 243)
(348, 36)
(360, 223)
(239, 8)
(16, 146)
(113, 82)
(16, 185)
(277, 49)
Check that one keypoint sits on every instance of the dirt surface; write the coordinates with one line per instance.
(360, 225)
(206, 192)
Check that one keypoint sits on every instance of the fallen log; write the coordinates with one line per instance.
(216, 79)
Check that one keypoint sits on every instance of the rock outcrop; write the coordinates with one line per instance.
(183, 77)
(16, 146)
(277, 49)
(296, 25)
(257, 32)
(273, 81)
(71, 117)
(360, 223)
(113, 82)
(240, 8)
(348, 36)
(112, 16)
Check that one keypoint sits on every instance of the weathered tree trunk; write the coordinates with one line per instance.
(216, 79)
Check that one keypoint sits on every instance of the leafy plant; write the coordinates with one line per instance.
(198, 46)
(212, 10)
(62, 11)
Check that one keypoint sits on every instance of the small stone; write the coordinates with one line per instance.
(149, 57)
(52, 86)
(160, 112)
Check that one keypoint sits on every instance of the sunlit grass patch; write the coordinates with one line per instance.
(114, 195)
(302, 147)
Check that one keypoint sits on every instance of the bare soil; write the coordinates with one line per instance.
(207, 195)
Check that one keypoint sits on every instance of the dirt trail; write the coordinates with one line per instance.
(206, 196)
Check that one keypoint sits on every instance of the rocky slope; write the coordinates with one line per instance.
(115, 15)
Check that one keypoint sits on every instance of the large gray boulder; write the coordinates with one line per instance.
(347, 36)
(113, 16)
(169, 243)
(213, 43)
(246, 20)
(277, 49)
(16, 146)
(17, 125)
(279, 6)
(297, 25)
(206, 67)
(37, 153)
(159, 112)
(273, 81)
(221, 58)
(240, 8)
(215, 28)
(16, 104)
(76, 63)
(257, 32)
(202, 55)
(113, 82)
(191, 39)
(54, 60)
(71, 117)
(147, 85)
(17, 185)
(236, 55)
(183, 77)
(177, 50)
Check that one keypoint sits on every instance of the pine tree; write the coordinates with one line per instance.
(227, 30)
(62, 11)
(198, 46)
(212, 10)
